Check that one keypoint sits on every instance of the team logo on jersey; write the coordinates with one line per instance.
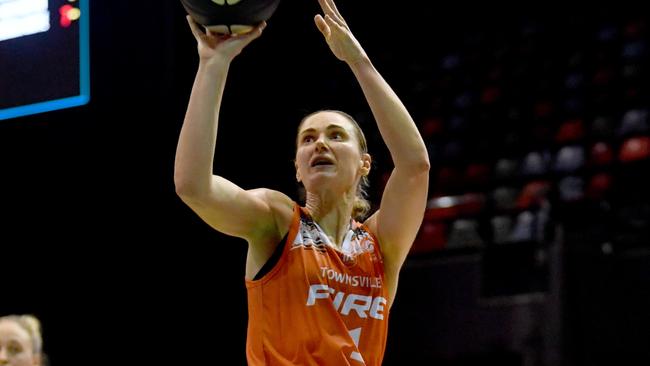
(310, 237)
(358, 241)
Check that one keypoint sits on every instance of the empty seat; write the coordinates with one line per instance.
(543, 109)
(601, 154)
(432, 127)
(448, 178)
(602, 127)
(457, 124)
(569, 159)
(442, 208)
(471, 204)
(506, 168)
(634, 149)
(574, 106)
(599, 186)
(464, 101)
(633, 49)
(607, 33)
(574, 80)
(490, 95)
(505, 198)
(634, 121)
(524, 229)
(533, 194)
(536, 163)
(570, 131)
(631, 72)
(450, 61)
(477, 173)
(501, 229)
(431, 236)
(452, 150)
(571, 189)
(603, 77)
(464, 233)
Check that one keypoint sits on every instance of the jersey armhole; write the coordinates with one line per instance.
(276, 259)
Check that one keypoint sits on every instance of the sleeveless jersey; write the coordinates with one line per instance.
(319, 305)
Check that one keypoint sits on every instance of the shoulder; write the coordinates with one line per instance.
(280, 205)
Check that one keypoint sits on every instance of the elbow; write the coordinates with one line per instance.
(185, 188)
(188, 194)
(189, 185)
(415, 167)
(414, 160)
(424, 165)
(420, 166)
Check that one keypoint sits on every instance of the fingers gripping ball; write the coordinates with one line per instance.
(230, 16)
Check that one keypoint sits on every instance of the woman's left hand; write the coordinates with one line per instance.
(337, 34)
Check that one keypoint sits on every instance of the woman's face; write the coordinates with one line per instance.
(15, 345)
(328, 153)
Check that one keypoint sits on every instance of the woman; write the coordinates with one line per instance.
(20, 341)
(320, 283)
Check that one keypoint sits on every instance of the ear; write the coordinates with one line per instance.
(366, 162)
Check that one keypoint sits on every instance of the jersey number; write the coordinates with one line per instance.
(356, 334)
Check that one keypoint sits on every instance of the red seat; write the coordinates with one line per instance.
(447, 178)
(431, 127)
(471, 204)
(570, 131)
(432, 236)
(601, 154)
(598, 186)
(533, 194)
(603, 77)
(543, 109)
(490, 95)
(477, 173)
(635, 148)
(442, 208)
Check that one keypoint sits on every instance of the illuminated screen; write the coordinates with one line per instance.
(44, 58)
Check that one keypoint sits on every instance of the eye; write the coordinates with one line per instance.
(307, 139)
(336, 135)
(14, 349)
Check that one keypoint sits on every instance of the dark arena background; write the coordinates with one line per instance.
(535, 247)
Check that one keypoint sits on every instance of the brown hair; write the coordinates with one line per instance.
(361, 206)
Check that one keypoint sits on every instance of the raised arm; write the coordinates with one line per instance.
(219, 202)
(400, 214)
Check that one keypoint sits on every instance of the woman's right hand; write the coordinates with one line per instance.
(221, 46)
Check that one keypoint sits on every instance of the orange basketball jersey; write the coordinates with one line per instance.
(319, 305)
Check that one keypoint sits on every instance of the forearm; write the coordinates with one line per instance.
(393, 119)
(196, 144)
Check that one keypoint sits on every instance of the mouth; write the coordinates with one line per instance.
(321, 161)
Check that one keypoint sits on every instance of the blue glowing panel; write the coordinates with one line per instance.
(44, 57)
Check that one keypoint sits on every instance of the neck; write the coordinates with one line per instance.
(332, 213)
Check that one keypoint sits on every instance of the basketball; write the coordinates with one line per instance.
(230, 16)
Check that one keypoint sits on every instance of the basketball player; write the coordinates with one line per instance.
(20, 341)
(321, 278)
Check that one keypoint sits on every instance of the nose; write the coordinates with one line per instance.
(321, 145)
(3, 356)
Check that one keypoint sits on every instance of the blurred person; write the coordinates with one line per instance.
(21, 343)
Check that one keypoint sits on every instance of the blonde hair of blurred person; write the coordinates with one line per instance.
(21, 343)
